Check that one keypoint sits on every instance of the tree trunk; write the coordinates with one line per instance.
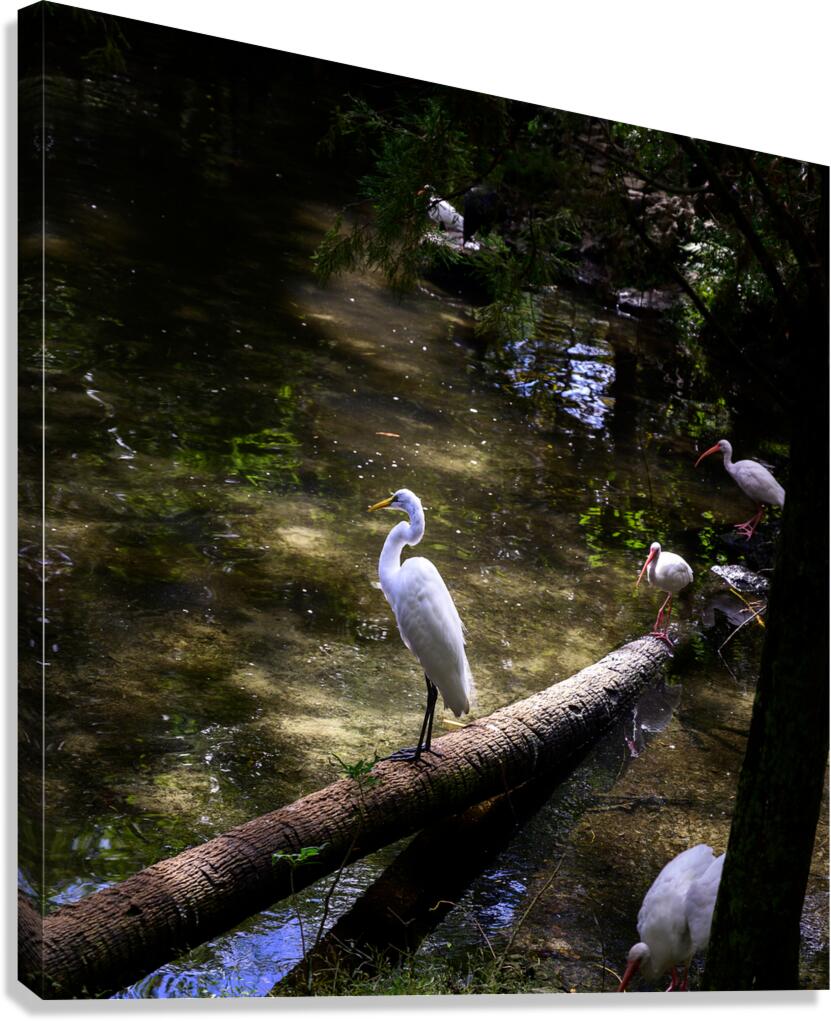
(755, 936)
(113, 937)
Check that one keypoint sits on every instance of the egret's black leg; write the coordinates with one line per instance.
(414, 754)
(432, 696)
(426, 724)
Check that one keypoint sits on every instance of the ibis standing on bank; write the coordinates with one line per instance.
(753, 479)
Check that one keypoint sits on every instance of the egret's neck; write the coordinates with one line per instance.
(405, 533)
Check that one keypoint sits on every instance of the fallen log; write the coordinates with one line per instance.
(115, 936)
(411, 897)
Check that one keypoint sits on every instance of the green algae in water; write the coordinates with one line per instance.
(217, 426)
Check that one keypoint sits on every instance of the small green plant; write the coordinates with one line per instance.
(298, 858)
(294, 859)
(360, 770)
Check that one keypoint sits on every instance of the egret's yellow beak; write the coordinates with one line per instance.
(382, 503)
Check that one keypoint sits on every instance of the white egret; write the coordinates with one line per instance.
(675, 917)
(669, 573)
(753, 479)
(427, 618)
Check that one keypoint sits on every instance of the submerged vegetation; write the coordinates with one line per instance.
(218, 421)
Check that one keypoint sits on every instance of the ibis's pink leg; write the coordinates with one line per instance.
(659, 631)
(671, 987)
(747, 528)
(684, 986)
(660, 618)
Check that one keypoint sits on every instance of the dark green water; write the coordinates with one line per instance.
(216, 426)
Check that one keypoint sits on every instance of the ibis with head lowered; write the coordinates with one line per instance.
(675, 918)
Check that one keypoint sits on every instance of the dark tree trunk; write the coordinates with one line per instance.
(755, 937)
(115, 936)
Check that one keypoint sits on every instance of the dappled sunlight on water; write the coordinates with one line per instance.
(215, 436)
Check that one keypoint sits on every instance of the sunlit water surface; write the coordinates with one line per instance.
(217, 425)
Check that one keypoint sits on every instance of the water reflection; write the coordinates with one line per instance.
(570, 366)
(249, 961)
(217, 427)
(651, 715)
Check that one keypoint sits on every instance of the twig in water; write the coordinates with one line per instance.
(726, 665)
(602, 944)
(326, 902)
(744, 623)
(528, 910)
(749, 605)
(605, 967)
(733, 633)
(484, 936)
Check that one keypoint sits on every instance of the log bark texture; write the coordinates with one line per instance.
(416, 891)
(115, 936)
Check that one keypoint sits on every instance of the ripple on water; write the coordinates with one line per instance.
(212, 569)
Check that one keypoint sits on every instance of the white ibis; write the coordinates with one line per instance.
(427, 618)
(753, 479)
(446, 216)
(675, 917)
(442, 213)
(669, 573)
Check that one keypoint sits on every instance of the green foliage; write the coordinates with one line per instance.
(478, 972)
(301, 857)
(108, 55)
(360, 770)
(749, 238)
(415, 148)
(449, 142)
(654, 153)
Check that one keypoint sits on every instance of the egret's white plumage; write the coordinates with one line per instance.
(427, 618)
(675, 917)
(753, 479)
(669, 573)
